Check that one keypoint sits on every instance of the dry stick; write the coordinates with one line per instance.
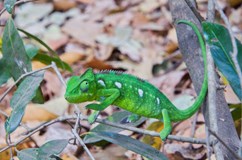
(193, 127)
(225, 145)
(74, 131)
(17, 3)
(212, 114)
(74, 117)
(21, 77)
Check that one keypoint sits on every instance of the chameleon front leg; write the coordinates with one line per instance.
(92, 118)
(111, 94)
(167, 125)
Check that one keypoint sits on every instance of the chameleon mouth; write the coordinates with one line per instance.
(69, 98)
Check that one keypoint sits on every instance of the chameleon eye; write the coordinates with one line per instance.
(84, 86)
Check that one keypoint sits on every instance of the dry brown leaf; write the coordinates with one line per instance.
(35, 113)
(234, 3)
(178, 150)
(95, 63)
(69, 157)
(155, 142)
(85, 32)
(64, 4)
(112, 152)
(69, 58)
(230, 96)
(167, 83)
(105, 51)
(149, 5)
(172, 36)
(85, 1)
(171, 47)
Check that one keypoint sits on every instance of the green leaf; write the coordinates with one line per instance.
(4, 74)
(9, 4)
(217, 36)
(63, 64)
(131, 144)
(117, 117)
(236, 111)
(28, 154)
(39, 97)
(24, 94)
(47, 151)
(50, 148)
(31, 50)
(17, 62)
(46, 59)
(16, 58)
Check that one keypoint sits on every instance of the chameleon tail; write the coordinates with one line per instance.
(184, 114)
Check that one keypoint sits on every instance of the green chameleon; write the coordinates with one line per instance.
(132, 94)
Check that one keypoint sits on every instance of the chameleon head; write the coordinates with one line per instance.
(81, 88)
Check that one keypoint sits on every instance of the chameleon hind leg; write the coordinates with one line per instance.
(167, 125)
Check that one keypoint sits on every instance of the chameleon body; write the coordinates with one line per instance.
(133, 94)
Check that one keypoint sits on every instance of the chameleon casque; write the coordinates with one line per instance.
(133, 94)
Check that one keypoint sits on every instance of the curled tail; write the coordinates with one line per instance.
(184, 114)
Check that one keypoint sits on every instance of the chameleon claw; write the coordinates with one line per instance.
(92, 118)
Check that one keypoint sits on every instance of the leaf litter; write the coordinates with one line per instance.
(131, 36)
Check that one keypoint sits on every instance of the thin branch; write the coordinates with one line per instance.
(17, 3)
(82, 144)
(76, 127)
(212, 90)
(21, 77)
(74, 117)
(225, 145)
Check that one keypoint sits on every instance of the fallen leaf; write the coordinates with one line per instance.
(175, 149)
(24, 19)
(230, 96)
(69, 58)
(54, 37)
(167, 83)
(64, 4)
(149, 5)
(85, 32)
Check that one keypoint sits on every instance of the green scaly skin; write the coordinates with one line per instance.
(132, 94)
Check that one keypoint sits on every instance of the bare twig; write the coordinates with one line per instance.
(82, 144)
(225, 145)
(17, 3)
(20, 78)
(74, 117)
(76, 127)
(212, 92)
